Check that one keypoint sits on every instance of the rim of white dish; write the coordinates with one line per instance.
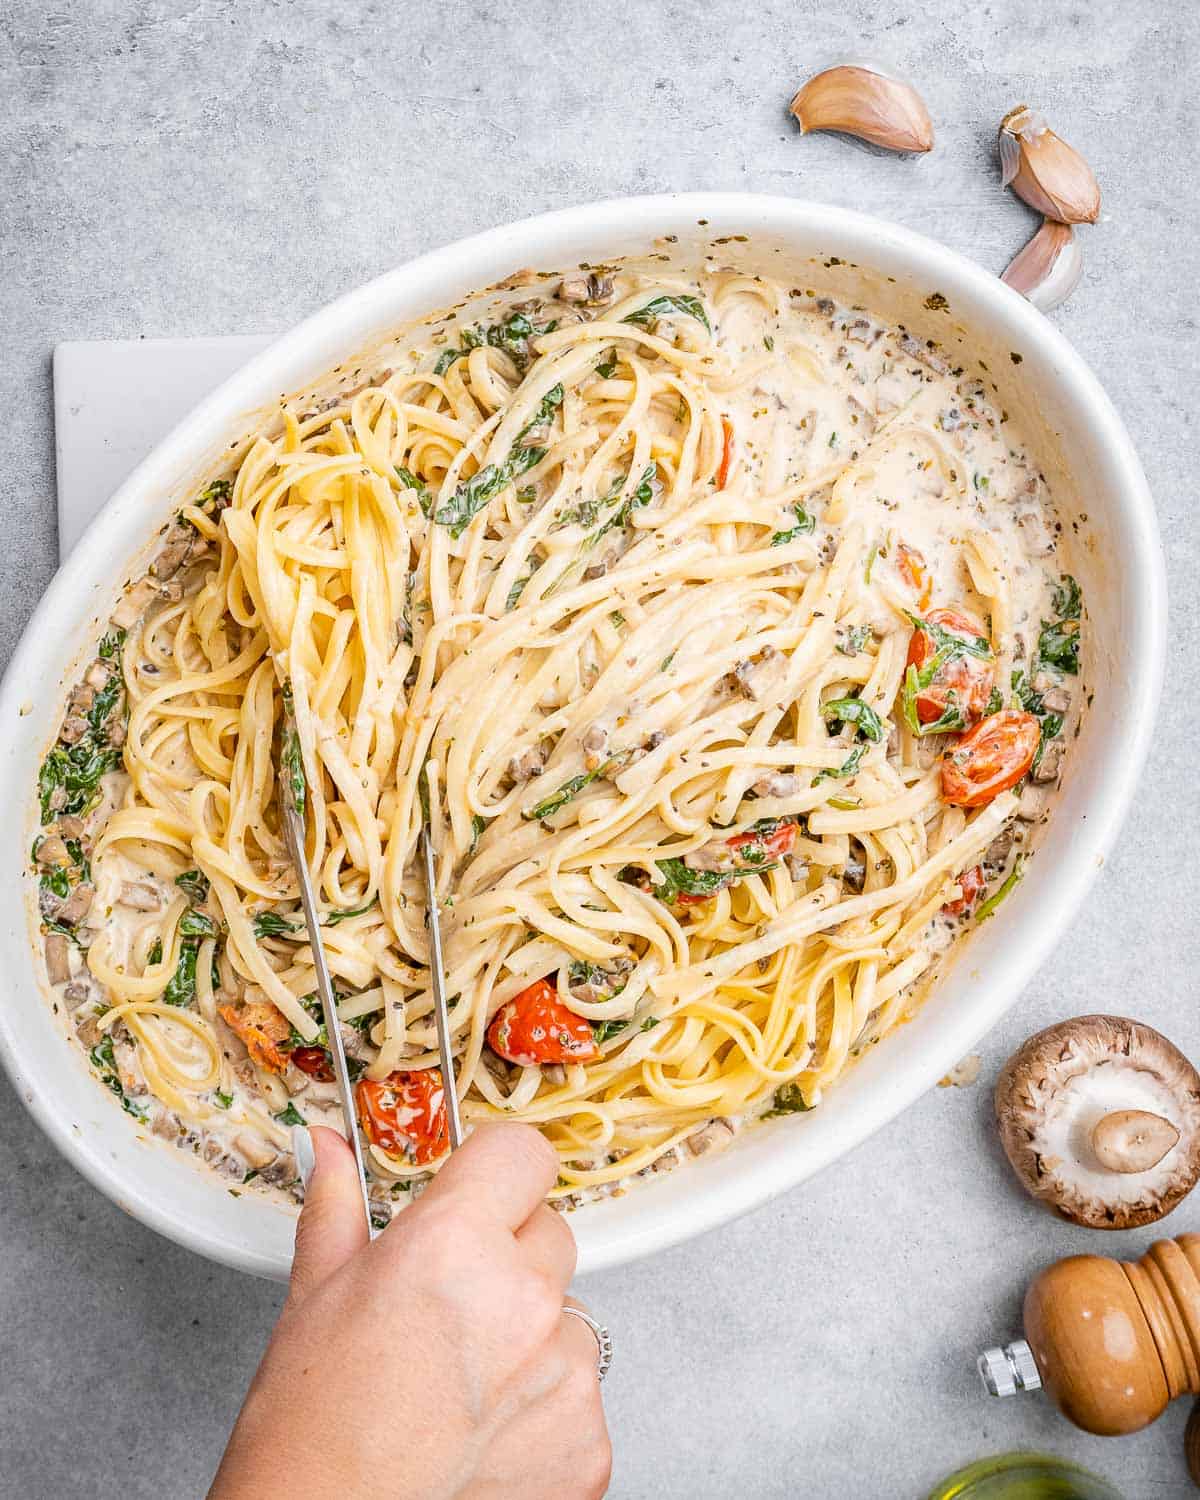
(346, 323)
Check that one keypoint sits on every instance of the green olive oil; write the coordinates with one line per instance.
(1024, 1476)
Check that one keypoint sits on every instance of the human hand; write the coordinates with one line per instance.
(434, 1361)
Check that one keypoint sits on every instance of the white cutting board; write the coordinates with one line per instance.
(113, 401)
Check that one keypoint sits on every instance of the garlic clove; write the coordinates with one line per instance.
(1048, 269)
(864, 102)
(1040, 167)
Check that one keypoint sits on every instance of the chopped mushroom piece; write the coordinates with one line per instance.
(88, 1031)
(165, 1124)
(53, 852)
(58, 958)
(525, 767)
(83, 695)
(1100, 1118)
(77, 992)
(595, 746)
(716, 857)
(996, 854)
(135, 604)
(715, 1134)
(778, 784)
(601, 984)
(281, 1171)
(1032, 804)
(1055, 698)
(1048, 768)
(139, 895)
(295, 1079)
(664, 1163)
(589, 291)
(183, 545)
(73, 729)
(750, 676)
(354, 1044)
(73, 910)
(255, 1151)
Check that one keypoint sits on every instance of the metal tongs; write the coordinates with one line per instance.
(291, 811)
(292, 804)
(437, 980)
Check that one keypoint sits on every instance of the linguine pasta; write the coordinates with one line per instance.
(622, 587)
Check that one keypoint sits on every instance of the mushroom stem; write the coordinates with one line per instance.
(1132, 1140)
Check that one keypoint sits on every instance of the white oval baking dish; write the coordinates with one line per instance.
(1080, 443)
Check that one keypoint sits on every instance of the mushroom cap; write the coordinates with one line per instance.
(1054, 1090)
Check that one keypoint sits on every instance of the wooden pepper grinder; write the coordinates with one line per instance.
(1112, 1341)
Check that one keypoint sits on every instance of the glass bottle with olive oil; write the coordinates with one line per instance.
(1024, 1476)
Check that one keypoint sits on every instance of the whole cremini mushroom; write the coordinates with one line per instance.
(1100, 1118)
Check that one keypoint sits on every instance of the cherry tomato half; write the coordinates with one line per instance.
(726, 453)
(536, 1027)
(968, 677)
(990, 758)
(404, 1115)
(262, 1028)
(973, 884)
(314, 1061)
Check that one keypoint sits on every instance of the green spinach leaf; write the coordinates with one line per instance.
(194, 884)
(181, 987)
(788, 1100)
(847, 767)
(104, 1061)
(804, 524)
(989, 906)
(271, 924)
(854, 711)
(664, 306)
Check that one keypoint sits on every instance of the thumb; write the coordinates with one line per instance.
(331, 1227)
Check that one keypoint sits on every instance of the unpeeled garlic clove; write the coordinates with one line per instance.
(864, 102)
(1040, 167)
(1047, 271)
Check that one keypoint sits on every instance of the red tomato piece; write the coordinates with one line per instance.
(776, 842)
(726, 453)
(968, 677)
(262, 1028)
(314, 1061)
(973, 885)
(766, 845)
(990, 758)
(404, 1115)
(694, 898)
(911, 565)
(536, 1027)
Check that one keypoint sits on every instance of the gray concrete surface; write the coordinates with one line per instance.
(207, 166)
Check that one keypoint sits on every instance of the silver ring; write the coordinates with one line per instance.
(603, 1339)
